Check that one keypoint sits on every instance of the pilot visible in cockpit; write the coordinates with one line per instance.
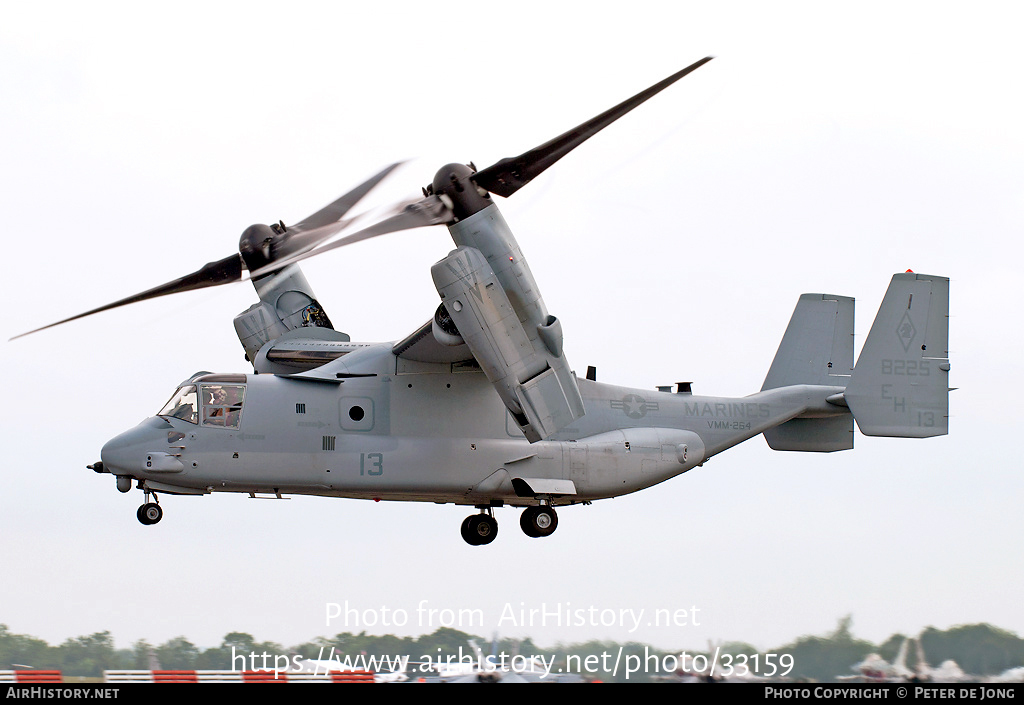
(218, 398)
(213, 412)
(224, 406)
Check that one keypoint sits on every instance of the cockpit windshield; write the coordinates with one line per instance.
(220, 404)
(183, 405)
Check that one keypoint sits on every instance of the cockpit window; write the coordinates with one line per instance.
(183, 405)
(222, 404)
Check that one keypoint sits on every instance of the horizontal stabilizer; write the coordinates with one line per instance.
(821, 435)
(900, 385)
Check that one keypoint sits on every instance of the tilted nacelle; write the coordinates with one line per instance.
(286, 303)
(490, 295)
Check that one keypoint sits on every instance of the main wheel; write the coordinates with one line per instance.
(526, 521)
(479, 529)
(538, 522)
(150, 513)
(466, 535)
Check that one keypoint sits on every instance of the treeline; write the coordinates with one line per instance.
(89, 656)
(979, 649)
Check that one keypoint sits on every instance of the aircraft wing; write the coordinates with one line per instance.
(423, 346)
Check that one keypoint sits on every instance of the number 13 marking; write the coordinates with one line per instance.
(376, 464)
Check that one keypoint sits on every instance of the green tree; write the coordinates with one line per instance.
(979, 649)
(18, 650)
(143, 656)
(177, 654)
(88, 655)
(824, 658)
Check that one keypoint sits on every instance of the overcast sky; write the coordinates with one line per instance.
(824, 149)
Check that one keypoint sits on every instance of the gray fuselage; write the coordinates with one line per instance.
(388, 429)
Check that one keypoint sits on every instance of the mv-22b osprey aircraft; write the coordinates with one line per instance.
(479, 405)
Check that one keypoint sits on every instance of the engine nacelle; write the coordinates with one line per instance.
(444, 329)
(286, 303)
(525, 366)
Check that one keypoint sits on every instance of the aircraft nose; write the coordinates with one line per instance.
(125, 453)
(117, 454)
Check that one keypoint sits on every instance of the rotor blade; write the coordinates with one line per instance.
(336, 210)
(296, 244)
(303, 236)
(311, 231)
(225, 271)
(511, 174)
(416, 214)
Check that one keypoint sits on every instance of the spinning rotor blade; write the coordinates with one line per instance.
(311, 231)
(415, 214)
(511, 174)
(288, 242)
(503, 178)
(267, 249)
(225, 271)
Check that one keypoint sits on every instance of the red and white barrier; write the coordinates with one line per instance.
(30, 676)
(184, 676)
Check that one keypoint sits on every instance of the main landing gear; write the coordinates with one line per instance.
(538, 521)
(480, 529)
(150, 512)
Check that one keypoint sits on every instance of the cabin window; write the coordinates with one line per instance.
(222, 404)
(356, 413)
(183, 405)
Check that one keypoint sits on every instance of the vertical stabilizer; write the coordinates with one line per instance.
(900, 386)
(817, 348)
(818, 345)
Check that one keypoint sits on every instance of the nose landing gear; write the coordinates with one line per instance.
(150, 512)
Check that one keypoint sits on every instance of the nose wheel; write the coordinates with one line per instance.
(479, 529)
(150, 512)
